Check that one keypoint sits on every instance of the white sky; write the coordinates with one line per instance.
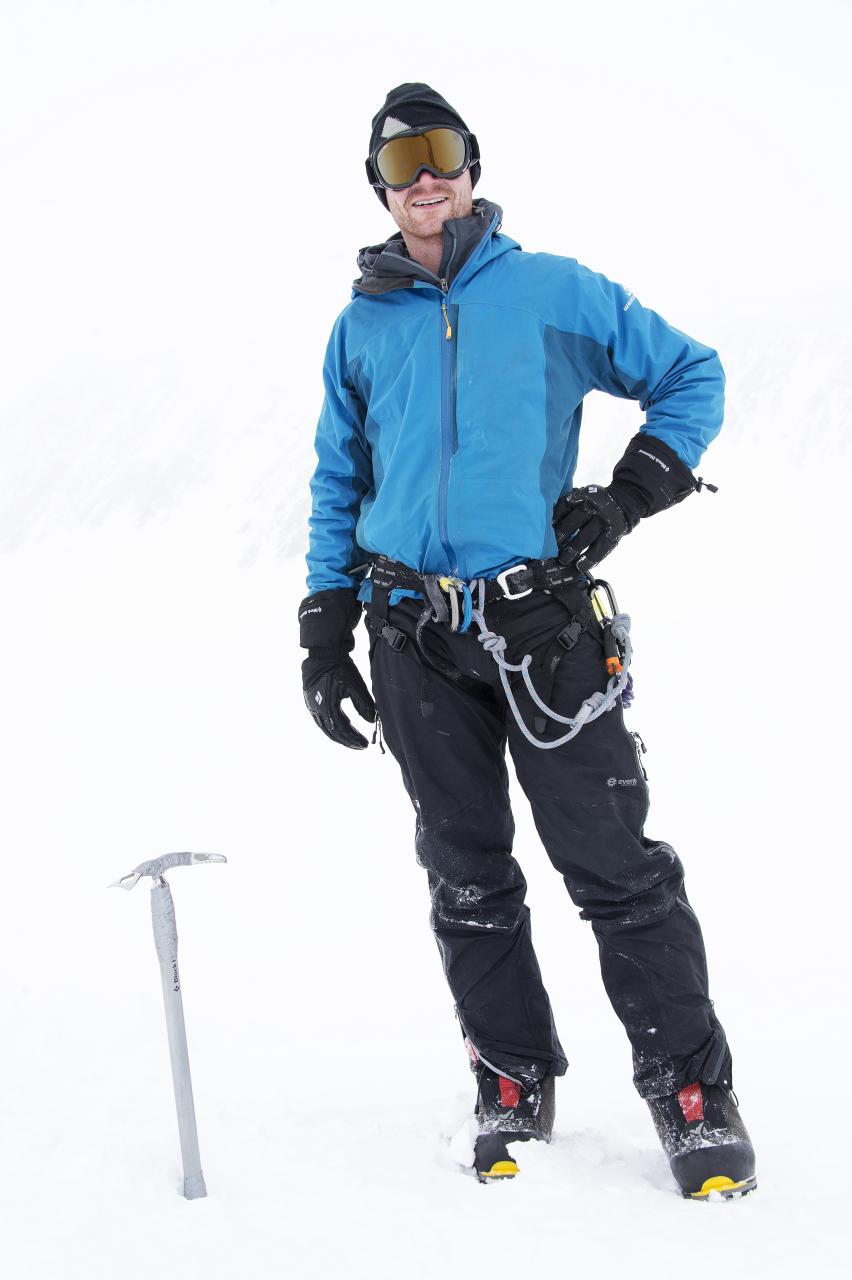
(192, 174)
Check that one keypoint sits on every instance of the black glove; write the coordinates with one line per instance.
(591, 521)
(325, 683)
(326, 623)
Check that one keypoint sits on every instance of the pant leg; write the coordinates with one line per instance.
(590, 801)
(449, 739)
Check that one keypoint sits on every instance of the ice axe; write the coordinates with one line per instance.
(165, 940)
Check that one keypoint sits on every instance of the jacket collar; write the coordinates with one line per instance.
(387, 266)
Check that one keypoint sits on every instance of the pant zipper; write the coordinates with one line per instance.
(640, 749)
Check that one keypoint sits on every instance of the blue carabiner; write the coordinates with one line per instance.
(468, 608)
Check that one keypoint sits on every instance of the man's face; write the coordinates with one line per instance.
(423, 208)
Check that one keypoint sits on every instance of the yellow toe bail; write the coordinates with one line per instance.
(501, 1169)
(722, 1186)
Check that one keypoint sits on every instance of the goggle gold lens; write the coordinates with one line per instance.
(442, 151)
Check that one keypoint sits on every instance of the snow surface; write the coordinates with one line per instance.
(172, 265)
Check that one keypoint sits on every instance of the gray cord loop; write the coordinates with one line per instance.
(435, 610)
(436, 598)
(596, 705)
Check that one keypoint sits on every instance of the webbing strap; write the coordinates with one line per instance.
(380, 601)
(541, 575)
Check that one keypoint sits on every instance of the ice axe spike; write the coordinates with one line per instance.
(165, 941)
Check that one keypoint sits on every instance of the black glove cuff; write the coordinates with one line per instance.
(327, 620)
(650, 477)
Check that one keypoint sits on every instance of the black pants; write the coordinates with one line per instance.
(448, 733)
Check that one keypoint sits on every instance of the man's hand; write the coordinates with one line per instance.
(326, 681)
(589, 523)
(327, 620)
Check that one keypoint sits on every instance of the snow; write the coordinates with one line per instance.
(162, 322)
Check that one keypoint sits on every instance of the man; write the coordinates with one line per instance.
(443, 500)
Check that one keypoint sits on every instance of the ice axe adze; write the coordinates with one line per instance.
(165, 940)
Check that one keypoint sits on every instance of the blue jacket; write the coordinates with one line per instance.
(453, 404)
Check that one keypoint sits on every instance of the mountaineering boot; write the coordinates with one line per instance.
(507, 1112)
(707, 1144)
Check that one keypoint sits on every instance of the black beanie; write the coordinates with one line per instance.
(410, 108)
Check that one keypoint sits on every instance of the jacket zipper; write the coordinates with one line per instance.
(449, 357)
(449, 350)
(448, 335)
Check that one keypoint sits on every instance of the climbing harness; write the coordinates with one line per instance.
(450, 600)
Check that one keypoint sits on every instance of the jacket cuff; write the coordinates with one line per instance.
(327, 620)
(651, 477)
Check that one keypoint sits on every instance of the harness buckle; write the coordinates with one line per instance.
(394, 637)
(569, 635)
(501, 578)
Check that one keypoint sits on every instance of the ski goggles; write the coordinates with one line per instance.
(446, 153)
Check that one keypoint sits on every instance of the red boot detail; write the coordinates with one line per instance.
(691, 1103)
(510, 1092)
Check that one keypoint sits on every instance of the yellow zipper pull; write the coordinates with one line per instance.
(449, 332)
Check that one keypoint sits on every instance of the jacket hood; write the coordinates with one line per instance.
(387, 266)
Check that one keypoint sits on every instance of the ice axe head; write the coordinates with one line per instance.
(157, 867)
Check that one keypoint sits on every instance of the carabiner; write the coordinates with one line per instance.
(451, 587)
(605, 605)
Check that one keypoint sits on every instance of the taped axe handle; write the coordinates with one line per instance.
(166, 943)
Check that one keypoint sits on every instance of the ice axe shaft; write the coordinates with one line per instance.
(166, 943)
(166, 940)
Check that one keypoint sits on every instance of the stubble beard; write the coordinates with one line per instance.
(411, 223)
